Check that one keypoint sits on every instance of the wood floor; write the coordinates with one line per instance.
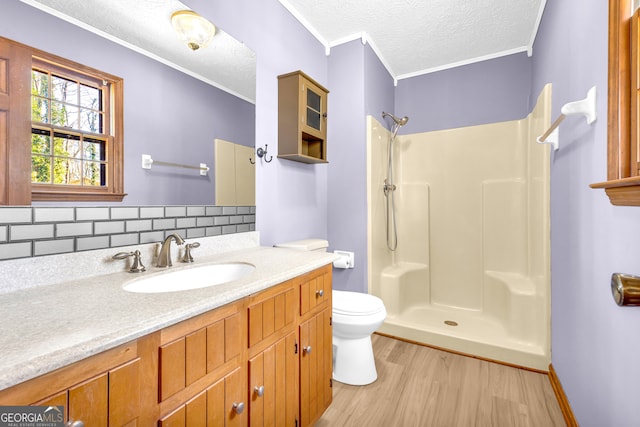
(422, 386)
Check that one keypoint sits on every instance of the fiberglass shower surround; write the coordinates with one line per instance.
(471, 269)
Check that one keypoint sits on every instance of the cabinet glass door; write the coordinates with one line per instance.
(313, 109)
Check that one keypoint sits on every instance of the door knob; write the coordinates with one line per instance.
(259, 390)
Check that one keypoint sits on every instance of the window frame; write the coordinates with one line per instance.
(20, 132)
(623, 179)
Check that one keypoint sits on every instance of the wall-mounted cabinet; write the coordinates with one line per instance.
(302, 118)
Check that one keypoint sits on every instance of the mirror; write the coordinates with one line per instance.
(177, 101)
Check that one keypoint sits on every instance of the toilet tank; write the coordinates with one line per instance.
(318, 245)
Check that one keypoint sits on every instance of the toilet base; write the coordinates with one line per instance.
(353, 361)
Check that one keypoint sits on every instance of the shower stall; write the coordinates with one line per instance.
(470, 272)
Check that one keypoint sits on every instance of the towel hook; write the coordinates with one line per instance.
(262, 153)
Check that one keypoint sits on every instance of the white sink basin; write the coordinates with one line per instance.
(190, 278)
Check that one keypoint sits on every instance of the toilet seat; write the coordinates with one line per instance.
(356, 303)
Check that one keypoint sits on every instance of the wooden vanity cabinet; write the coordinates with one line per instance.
(200, 370)
(102, 390)
(245, 363)
(302, 118)
(316, 345)
(273, 356)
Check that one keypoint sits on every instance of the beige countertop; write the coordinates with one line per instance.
(48, 327)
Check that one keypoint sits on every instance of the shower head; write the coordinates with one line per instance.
(398, 121)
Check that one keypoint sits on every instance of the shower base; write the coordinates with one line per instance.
(465, 331)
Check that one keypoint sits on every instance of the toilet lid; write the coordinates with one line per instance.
(355, 303)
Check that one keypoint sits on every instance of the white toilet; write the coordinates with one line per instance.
(355, 316)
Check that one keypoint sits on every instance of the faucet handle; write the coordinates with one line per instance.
(187, 251)
(136, 266)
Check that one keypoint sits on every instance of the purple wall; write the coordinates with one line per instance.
(169, 115)
(291, 196)
(360, 86)
(595, 344)
(483, 92)
(346, 185)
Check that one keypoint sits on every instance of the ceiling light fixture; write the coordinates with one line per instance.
(193, 29)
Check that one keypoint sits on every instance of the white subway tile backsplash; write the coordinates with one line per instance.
(139, 225)
(48, 247)
(124, 213)
(91, 243)
(213, 231)
(112, 227)
(204, 221)
(242, 228)
(152, 212)
(195, 210)
(221, 220)
(53, 214)
(229, 229)
(74, 229)
(30, 232)
(185, 222)
(171, 211)
(34, 231)
(152, 236)
(124, 239)
(14, 215)
(92, 214)
(229, 210)
(213, 210)
(193, 233)
(15, 250)
(164, 224)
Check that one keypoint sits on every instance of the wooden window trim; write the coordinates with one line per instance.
(14, 147)
(623, 182)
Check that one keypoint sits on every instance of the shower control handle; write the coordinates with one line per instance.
(307, 349)
(320, 292)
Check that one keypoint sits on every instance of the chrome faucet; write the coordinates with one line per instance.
(164, 257)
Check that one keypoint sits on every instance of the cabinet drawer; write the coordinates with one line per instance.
(271, 313)
(315, 289)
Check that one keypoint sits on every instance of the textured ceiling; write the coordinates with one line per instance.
(145, 26)
(414, 37)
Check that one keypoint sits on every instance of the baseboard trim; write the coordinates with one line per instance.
(567, 413)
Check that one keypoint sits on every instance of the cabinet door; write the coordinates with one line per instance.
(235, 392)
(316, 360)
(314, 109)
(273, 383)
(89, 403)
(109, 399)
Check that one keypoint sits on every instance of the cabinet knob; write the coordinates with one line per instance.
(238, 407)
(72, 423)
(320, 292)
(307, 349)
(259, 390)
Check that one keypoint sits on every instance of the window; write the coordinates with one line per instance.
(623, 139)
(65, 133)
